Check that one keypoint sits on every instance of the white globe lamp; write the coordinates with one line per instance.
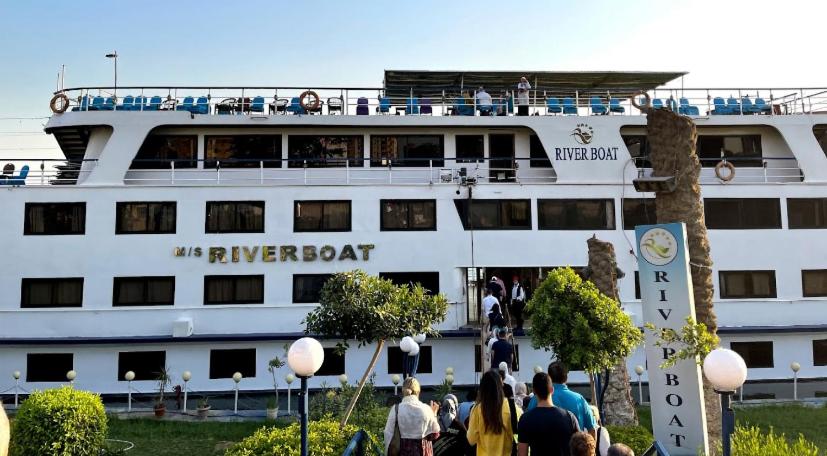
(419, 338)
(16, 375)
(449, 370)
(406, 344)
(71, 375)
(449, 379)
(538, 369)
(414, 349)
(305, 358)
(343, 379)
(639, 369)
(795, 367)
(725, 369)
(289, 378)
(186, 376)
(129, 376)
(237, 377)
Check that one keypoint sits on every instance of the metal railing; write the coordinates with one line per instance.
(748, 170)
(50, 171)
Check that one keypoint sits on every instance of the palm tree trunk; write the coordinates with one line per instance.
(379, 345)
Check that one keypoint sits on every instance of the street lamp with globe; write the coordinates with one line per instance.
(305, 357)
(726, 371)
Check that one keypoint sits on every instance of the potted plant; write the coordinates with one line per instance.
(272, 366)
(203, 407)
(164, 380)
(272, 408)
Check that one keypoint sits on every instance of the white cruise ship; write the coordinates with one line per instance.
(193, 227)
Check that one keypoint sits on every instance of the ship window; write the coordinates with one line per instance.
(820, 352)
(145, 364)
(494, 214)
(407, 150)
(742, 213)
(159, 151)
(234, 289)
(395, 360)
(638, 146)
(747, 284)
(571, 214)
(225, 363)
(307, 288)
(243, 151)
(637, 285)
(814, 282)
(305, 151)
(743, 150)
(145, 218)
(333, 364)
(428, 280)
(55, 218)
(539, 157)
(143, 291)
(755, 354)
(235, 217)
(48, 367)
(638, 211)
(807, 212)
(315, 216)
(401, 215)
(820, 132)
(39, 293)
(470, 148)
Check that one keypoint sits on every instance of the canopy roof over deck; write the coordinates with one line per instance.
(622, 84)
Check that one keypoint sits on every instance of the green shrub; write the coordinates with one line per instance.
(749, 441)
(325, 438)
(369, 414)
(59, 422)
(638, 438)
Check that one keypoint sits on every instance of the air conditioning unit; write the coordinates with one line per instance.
(182, 327)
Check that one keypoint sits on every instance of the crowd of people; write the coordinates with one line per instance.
(500, 418)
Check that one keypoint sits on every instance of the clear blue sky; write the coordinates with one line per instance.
(316, 42)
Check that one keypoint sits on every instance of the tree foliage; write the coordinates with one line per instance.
(583, 327)
(694, 339)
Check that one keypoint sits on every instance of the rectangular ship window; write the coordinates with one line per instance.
(820, 132)
(742, 213)
(243, 151)
(814, 282)
(145, 217)
(48, 367)
(235, 217)
(46, 293)
(742, 150)
(318, 216)
(638, 211)
(408, 215)
(820, 352)
(225, 363)
(334, 363)
(747, 284)
(161, 151)
(395, 360)
(470, 148)
(145, 364)
(572, 214)
(407, 150)
(143, 291)
(755, 354)
(234, 289)
(312, 151)
(539, 157)
(638, 146)
(637, 285)
(307, 288)
(54, 218)
(494, 214)
(807, 212)
(428, 280)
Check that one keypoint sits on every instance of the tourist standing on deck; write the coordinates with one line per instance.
(522, 96)
(483, 102)
(545, 430)
(570, 400)
(517, 302)
(417, 422)
(490, 427)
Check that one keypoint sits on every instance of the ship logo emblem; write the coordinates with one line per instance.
(658, 246)
(583, 133)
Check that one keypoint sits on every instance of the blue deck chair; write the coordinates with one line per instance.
(720, 107)
(362, 107)
(614, 106)
(761, 106)
(140, 103)
(686, 109)
(186, 105)
(671, 104)
(296, 107)
(411, 106)
(425, 107)
(597, 106)
(202, 106)
(384, 105)
(97, 104)
(154, 104)
(553, 106)
(732, 104)
(84, 104)
(643, 102)
(657, 103)
(569, 106)
(19, 179)
(257, 105)
(746, 105)
(108, 104)
(126, 104)
(461, 108)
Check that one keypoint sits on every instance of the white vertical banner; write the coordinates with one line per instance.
(676, 393)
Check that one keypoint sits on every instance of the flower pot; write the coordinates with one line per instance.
(272, 413)
(160, 410)
(203, 412)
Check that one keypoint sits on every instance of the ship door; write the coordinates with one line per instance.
(501, 158)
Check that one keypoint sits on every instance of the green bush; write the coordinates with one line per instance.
(59, 422)
(369, 414)
(325, 438)
(638, 438)
(749, 441)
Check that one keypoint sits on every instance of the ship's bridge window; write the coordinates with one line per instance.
(820, 352)
(539, 157)
(48, 367)
(159, 151)
(573, 214)
(755, 354)
(59, 292)
(407, 150)
(307, 288)
(428, 280)
(225, 363)
(234, 289)
(243, 151)
(742, 213)
(145, 364)
(470, 148)
(747, 284)
(143, 291)
(491, 214)
(807, 212)
(145, 218)
(638, 211)
(235, 217)
(742, 150)
(820, 132)
(54, 218)
(318, 216)
(814, 282)
(408, 215)
(312, 151)
(396, 358)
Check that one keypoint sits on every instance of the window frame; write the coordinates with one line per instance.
(538, 158)
(235, 212)
(722, 284)
(820, 213)
(120, 205)
(425, 367)
(611, 203)
(740, 213)
(747, 359)
(330, 354)
(804, 292)
(745, 161)
(237, 352)
(180, 163)
(645, 204)
(145, 290)
(235, 278)
(61, 377)
(27, 228)
(463, 207)
(26, 292)
(123, 367)
(273, 162)
(300, 276)
(466, 159)
(822, 345)
(406, 162)
(355, 161)
(321, 228)
(407, 202)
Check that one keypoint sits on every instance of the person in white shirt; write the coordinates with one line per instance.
(522, 96)
(508, 379)
(518, 299)
(418, 425)
(484, 103)
(487, 304)
(602, 441)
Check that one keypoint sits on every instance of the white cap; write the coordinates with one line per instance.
(503, 366)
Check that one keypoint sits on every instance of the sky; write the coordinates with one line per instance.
(721, 43)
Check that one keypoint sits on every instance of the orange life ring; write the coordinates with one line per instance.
(727, 165)
(62, 106)
(309, 106)
(648, 104)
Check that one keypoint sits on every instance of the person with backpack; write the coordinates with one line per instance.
(493, 419)
(545, 430)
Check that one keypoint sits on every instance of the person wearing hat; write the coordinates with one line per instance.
(522, 96)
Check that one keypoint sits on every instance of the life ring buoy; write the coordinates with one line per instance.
(727, 165)
(309, 106)
(644, 107)
(59, 103)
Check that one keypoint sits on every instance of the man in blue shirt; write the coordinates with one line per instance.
(567, 399)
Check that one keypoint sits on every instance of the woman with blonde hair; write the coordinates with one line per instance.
(415, 422)
(602, 441)
(493, 421)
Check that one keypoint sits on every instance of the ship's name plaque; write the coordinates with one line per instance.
(277, 253)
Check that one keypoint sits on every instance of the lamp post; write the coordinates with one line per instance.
(406, 345)
(419, 339)
(114, 56)
(639, 370)
(16, 375)
(395, 379)
(129, 376)
(237, 379)
(289, 379)
(727, 372)
(305, 357)
(795, 367)
(186, 377)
